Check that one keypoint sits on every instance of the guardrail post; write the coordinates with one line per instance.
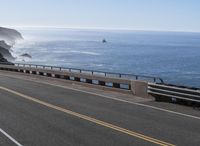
(49, 75)
(129, 87)
(57, 76)
(16, 70)
(102, 83)
(27, 71)
(88, 81)
(66, 77)
(116, 85)
(41, 73)
(34, 72)
(77, 79)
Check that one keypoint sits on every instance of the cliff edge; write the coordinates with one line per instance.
(8, 38)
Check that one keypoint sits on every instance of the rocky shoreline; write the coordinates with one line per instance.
(8, 38)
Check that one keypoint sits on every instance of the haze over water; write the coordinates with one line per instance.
(173, 56)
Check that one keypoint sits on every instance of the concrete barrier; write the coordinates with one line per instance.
(117, 84)
(135, 87)
(139, 88)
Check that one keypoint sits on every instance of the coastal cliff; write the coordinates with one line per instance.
(8, 38)
(5, 50)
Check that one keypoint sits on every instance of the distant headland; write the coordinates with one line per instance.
(8, 38)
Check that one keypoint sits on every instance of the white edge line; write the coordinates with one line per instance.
(138, 104)
(8, 136)
(113, 98)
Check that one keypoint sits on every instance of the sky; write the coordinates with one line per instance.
(165, 15)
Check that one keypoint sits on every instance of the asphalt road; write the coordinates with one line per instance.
(36, 114)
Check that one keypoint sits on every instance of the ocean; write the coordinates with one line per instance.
(173, 56)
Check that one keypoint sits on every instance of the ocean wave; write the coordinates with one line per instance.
(85, 52)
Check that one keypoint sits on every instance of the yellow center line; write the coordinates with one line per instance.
(93, 120)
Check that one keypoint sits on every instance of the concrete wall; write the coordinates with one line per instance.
(137, 88)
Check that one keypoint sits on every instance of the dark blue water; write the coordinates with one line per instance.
(173, 56)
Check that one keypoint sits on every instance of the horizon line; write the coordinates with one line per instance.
(98, 28)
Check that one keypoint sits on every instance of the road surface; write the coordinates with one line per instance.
(38, 114)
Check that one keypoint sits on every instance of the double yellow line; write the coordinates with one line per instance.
(87, 118)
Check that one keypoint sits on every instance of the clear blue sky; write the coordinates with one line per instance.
(169, 15)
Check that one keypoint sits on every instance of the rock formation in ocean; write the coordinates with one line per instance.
(8, 38)
(104, 41)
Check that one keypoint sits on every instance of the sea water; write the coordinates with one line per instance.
(173, 56)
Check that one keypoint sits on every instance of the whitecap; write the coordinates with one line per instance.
(85, 52)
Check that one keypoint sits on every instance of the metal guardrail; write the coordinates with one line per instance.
(101, 81)
(174, 92)
(93, 72)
